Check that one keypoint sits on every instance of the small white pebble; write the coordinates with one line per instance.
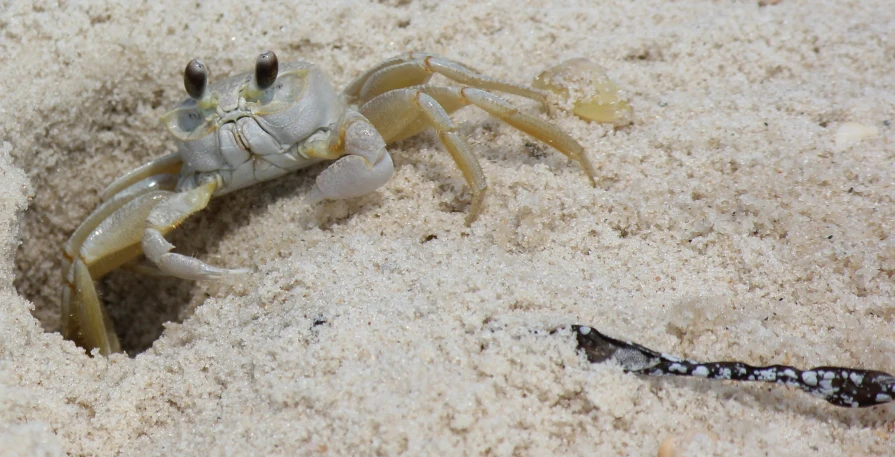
(852, 133)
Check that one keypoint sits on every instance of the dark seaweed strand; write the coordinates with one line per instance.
(846, 387)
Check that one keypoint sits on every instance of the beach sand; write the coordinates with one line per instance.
(728, 222)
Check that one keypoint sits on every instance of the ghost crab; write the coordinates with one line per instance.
(260, 125)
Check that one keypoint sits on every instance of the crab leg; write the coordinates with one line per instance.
(398, 111)
(112, 204)
(454, 98)
(167, 215)
(167, 164)
(133, 222)
(108, 238)
(417, 68)
(430, 106)
(505, 111)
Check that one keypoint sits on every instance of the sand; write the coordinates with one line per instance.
(728, 223)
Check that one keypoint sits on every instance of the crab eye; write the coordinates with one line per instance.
(195, 78)
(188, 120)
(266, 68)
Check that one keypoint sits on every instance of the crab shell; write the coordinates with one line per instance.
(248, 135)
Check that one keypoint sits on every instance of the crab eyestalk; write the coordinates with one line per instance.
(267, 66)
(195, 81)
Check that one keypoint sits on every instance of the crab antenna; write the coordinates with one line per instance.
(266, 68)
(195, 78)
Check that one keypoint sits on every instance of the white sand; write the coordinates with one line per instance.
(728, 224)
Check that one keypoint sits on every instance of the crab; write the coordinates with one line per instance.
(257, 126)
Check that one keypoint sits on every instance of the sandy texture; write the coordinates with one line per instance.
(727, 223)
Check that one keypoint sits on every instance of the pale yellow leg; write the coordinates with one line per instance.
(402, 113)
(76, 292)
(110, 241)
(398, 111)
(354, 88)
(414, 69)
(505, 111)
(88, 324)
(166, 165)
(165, 217)
(112, 204)
(133, 222)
